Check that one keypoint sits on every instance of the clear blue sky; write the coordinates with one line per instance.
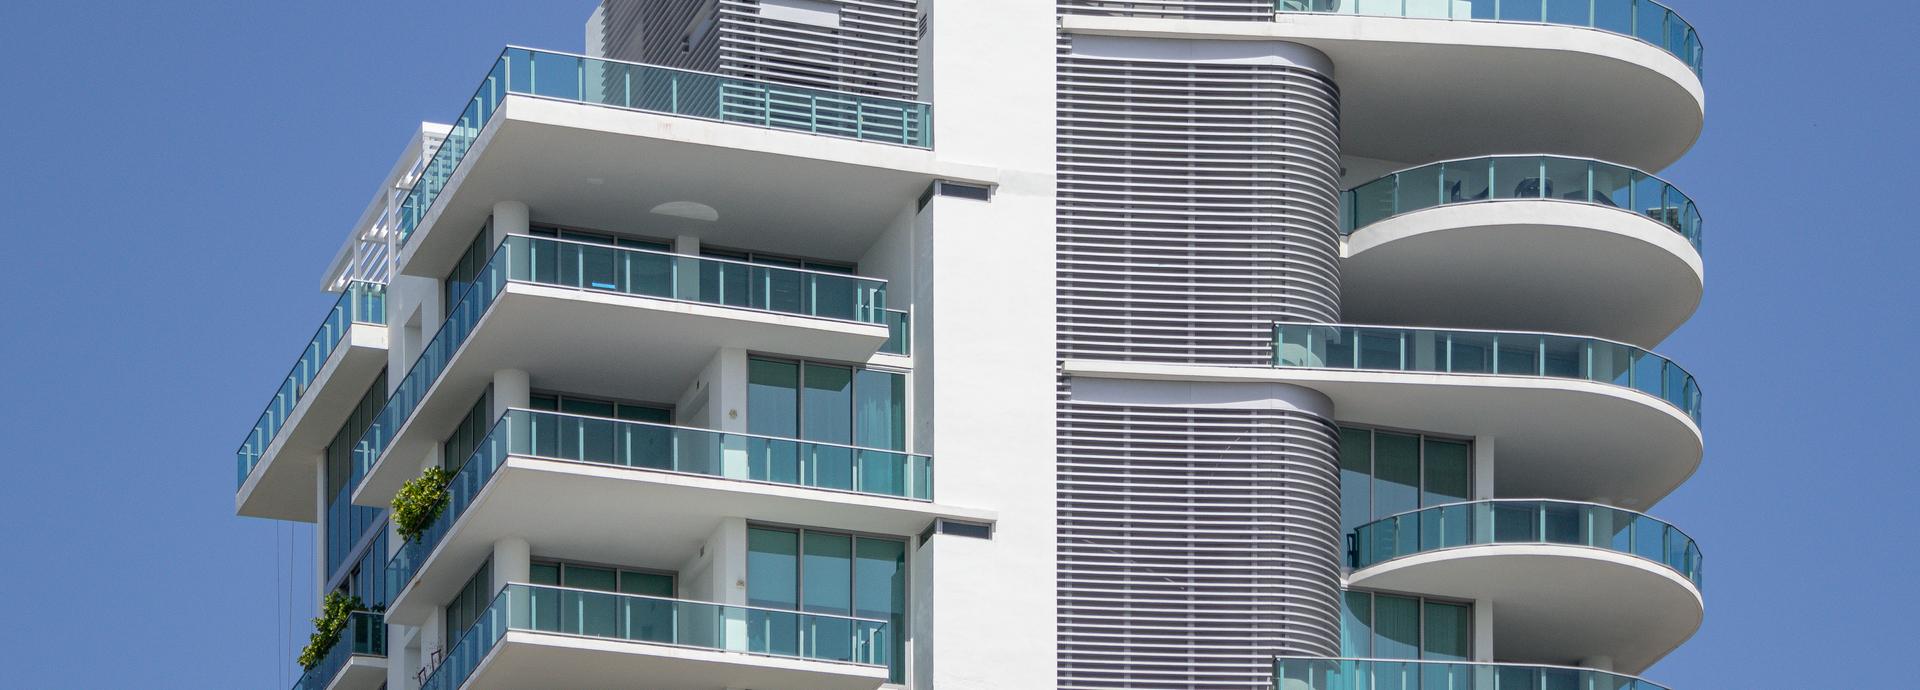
(176, 179)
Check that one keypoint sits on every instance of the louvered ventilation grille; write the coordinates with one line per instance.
(874, 52)
(1195, 544)
(1244, 10)
(1197, 206)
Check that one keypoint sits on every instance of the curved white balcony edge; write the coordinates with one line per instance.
(1646, 126)
(1525, 265)
(1556, 601)
(1558, 438)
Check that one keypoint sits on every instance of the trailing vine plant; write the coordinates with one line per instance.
(419, 503)
(334, 612)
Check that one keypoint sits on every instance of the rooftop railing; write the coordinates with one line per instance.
(1521, 178)
(1568, 523)
(665, 448)
(619, 270)
(665, 90)
(1316, 673)
(1649, 21)
(661, 621)
(1427, 350)
(359, 303)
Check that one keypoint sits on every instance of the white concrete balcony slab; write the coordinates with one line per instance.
(648, 496)
(1483, 87)
(535, 636)
(588, 142)
(278, 464)
(601, 320)
(1564, 580)
(1560, 433)
(1534, 243)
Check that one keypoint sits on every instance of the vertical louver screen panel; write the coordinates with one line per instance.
(874, 49)
(1195, 544)
(1197, 206)
(1241, 10)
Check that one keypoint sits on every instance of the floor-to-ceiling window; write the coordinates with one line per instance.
(1383, 473)
(829, 403)
(834, 573)
(597, 609)
(1386, 626)
(347, 523)
(469, 603)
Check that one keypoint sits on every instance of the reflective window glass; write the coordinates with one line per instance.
(1396, 461)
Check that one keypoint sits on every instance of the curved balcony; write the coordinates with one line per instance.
(1486, 353)
(539, 636)
(357, 661)
(1321, 673)
(599, 481)
(1524, 242)
(1421, 80)
(1646, 20)
(1569, 523)
(610, 302)
(275, 464)
(1575, 417)
(1564, 580)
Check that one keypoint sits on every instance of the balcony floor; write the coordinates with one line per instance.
(592, 343)
(602, 167)
(524, 659)
(635, 517)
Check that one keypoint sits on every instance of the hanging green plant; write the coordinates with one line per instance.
(334, 612)
(419, 503)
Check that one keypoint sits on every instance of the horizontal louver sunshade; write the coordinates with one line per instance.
(1194, 544)
(1197, 206)
(874, 51)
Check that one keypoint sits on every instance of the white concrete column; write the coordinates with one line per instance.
(1599, 663)
(433, 644)
(1483, 630)
(686, 283)
(511, 388)
(1422, 357)
(728, 548)
(1482, 468)
(727, 409)
(509, 218)
(512, 562)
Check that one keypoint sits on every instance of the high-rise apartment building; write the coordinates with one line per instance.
(969, 345)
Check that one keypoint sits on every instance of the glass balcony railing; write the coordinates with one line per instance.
(1525, 522)
(654, 620)
(1521, 178)
(1425, 350)
(620, 270)
(1649, 21)
(899, 333)
(660, 447)
(365, 635)
(1318, 673)
(359, 303)
(655, 89)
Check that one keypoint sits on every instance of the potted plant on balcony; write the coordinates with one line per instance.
(334, 612)
(419, 502)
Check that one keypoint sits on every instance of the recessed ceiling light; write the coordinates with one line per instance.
(691, 210)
